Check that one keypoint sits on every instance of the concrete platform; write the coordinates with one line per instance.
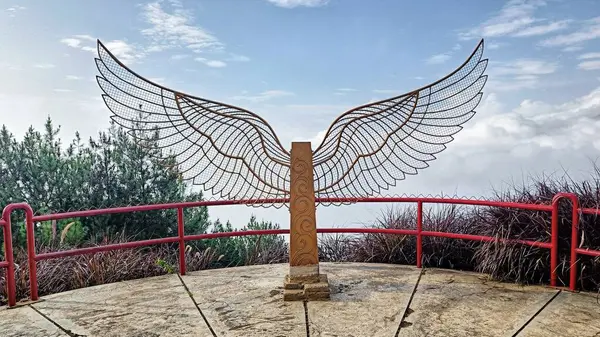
(366, 300)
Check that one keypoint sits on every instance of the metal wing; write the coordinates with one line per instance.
(230, 151)
(372, 146)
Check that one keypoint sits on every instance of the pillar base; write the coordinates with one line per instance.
(306, 288)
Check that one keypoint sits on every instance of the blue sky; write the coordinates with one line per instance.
(301, 63)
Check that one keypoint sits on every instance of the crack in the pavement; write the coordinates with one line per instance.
(197, 306)
(68, 332)
(404, 324)
(306, 319)
(536, 313)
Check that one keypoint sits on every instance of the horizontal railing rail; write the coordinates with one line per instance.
(181, 238)
(588, 251)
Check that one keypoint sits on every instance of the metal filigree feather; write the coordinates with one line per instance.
(235, 154)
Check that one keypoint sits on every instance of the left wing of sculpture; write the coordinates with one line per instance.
(371, 147)
(229, 151)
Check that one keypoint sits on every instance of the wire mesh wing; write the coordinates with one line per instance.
(371, 147)
(229, 151)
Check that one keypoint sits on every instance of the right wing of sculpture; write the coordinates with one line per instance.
(373, 146)
(229, 151)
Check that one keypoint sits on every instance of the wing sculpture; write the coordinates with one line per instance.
(371, 147)
(236, 155)
(231, 152)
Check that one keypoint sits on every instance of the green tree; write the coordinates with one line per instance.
(251, 249)
(112, 170)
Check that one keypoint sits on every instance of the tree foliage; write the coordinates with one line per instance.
(111, 170)
(250, 249)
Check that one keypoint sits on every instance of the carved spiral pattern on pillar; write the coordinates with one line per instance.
(302, 208)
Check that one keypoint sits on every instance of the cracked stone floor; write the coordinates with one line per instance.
(366, 300)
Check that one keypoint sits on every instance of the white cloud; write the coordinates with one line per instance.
(211, 63)
(587, 56)
(343, 91)
(44, 66)
(73, 78)
(543, 29)
(317, 139)
(216, 64)
(86, 37)
(62, 90)
(387, 91)
(179, 56)
(298, 3)
(571, 49)
(71, 42)
(9, 66)
(124, 51)
(76, 42)
(176, 29)
(238, 58)
(515, 85)
(589, 30)
(526, 67)
(263, 96)
(589, 65)
(515, 15)
(14, 9)
(176, 3)
(491, 105)
(534, 125)
(519, 74)
(494, 45)
(516, 19)
(438, 59)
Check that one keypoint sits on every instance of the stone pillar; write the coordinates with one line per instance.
(304, 282)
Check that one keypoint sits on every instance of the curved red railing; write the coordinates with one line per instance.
(8, 251)
(181, 238)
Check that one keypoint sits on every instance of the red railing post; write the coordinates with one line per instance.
(574, 237)
(574, 241)
(181, 232)
(11, 290)
(419, 235)
(554, 242)
(33, 282)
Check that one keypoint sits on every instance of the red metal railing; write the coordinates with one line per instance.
(181, 238)
(8, 263)
(575, 236)
(8, 250)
